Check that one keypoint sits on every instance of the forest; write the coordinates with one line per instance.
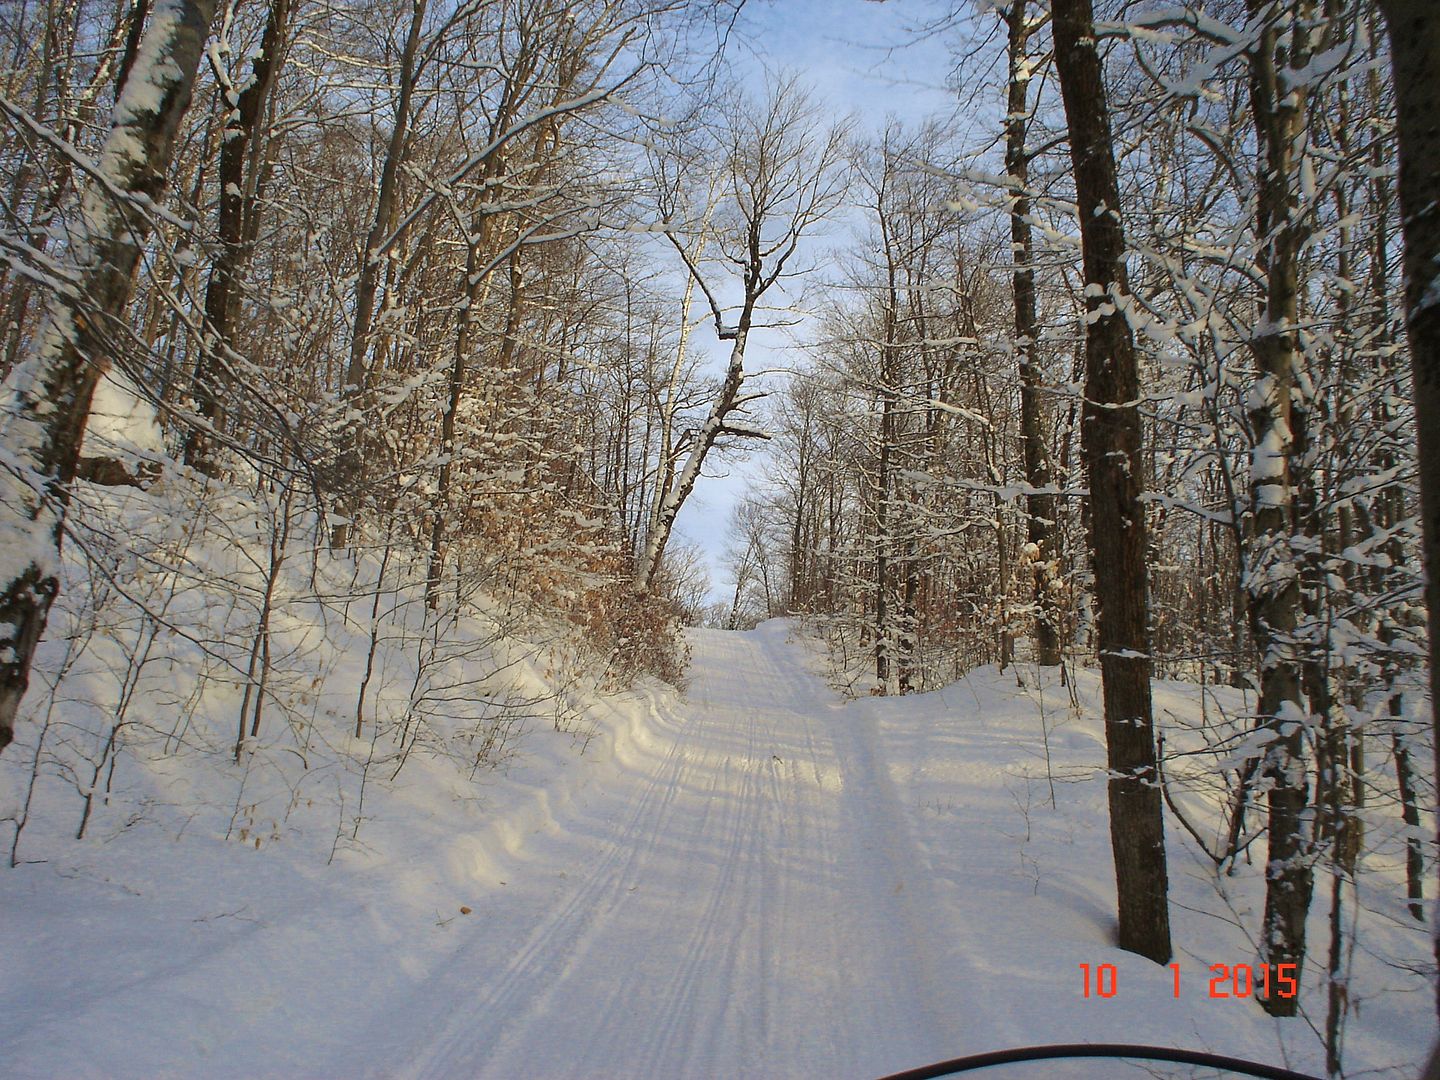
(362, 356)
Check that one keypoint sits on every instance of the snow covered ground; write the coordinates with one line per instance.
(754, 878)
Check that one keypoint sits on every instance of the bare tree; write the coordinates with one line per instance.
(782, 176)
(561, 60)
(1274, 579)
(367, 283)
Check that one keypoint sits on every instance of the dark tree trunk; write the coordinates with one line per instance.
(50, 398)
(1040, 508)
(1110, 433)
(477, 280)
(367, 284)
(237, 223)
(1415, 53)
(909, 635)
(884, 634)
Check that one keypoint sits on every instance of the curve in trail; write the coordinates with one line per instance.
(743, 899)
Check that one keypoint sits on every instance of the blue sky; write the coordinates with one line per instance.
(860, 58)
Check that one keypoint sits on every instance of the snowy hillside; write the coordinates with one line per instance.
(754, 878)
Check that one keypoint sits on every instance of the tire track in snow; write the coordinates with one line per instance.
(690, 1023)
(465, 1040)
(711, 951)
(898, 881)
(886, 867)
(740, 913)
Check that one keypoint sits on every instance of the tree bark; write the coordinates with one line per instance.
(888, 389)
(1414, 27)
(670, 452)
(367, 283)
(51, 392)
(1272, 571)
(236, 223)
(884, 632)
(1110, 433)
(1040, 508)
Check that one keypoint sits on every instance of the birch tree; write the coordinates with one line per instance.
(50, 392)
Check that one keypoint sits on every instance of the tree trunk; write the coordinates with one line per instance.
(1110, 433)
(669, 453)
(1040, 508)
(1415, 53)
(884, 635)
(1410, 814)
(663, 522)
(367, 284)
(478, 275)
(1273, 575)
(236, 220)
(51, 394)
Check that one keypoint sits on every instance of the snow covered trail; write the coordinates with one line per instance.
(744, 896)
(753, 879)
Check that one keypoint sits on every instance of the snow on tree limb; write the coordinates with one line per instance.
(50, 393)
